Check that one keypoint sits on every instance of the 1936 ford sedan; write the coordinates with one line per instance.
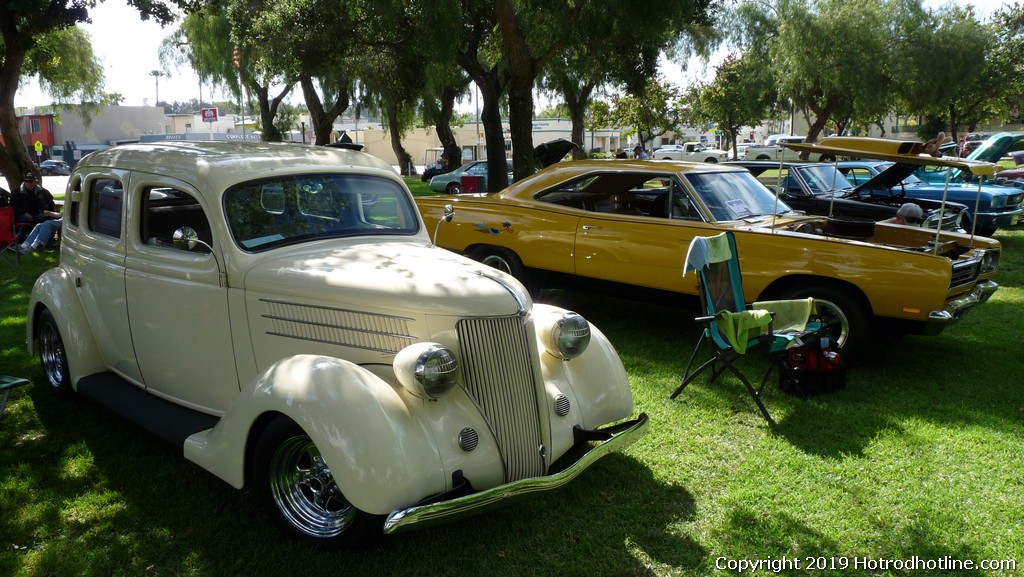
(280, 313)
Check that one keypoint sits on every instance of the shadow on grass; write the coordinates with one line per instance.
(100, 497)
(964, 376)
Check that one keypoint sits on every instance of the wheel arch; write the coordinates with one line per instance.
(328, 398)
(54, 291)
(781, 285)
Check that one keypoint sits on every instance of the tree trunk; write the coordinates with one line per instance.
(15, 159)
(452, 153)
(405, 165)
(322, 120)
(577, 112)
(520, 90)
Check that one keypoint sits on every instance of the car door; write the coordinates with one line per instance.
(95, 251)
(644, 250)
(176, 299)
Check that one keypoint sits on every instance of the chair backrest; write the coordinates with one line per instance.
(7, 234)
(719, 283)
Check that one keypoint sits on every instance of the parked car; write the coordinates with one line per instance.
(54, 168)
(971, 141)
(1014, 176)
(626, 225)
(544, 154)
(998, 206)
(693, 151)
(451, 182)
(991, 149)
(818, 188)
(292, 329)
(774, 149)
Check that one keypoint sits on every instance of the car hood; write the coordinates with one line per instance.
(389, 276)
(888, 178)
(552, 151)
(996, 146)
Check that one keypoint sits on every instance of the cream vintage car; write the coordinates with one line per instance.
(280, 313)
(626, 225)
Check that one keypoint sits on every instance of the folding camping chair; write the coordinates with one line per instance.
(9, 228)
(730, 327)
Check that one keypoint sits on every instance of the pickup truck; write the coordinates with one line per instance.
(693, 151)
(773, 149)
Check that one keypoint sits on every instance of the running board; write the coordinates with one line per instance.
(168, 421)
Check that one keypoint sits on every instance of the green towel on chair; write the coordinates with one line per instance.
(790, 315)
(739, 328)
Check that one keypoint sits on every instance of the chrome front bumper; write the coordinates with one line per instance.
(958, 307)
(620, 437)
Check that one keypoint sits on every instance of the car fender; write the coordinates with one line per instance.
(55, 290)
(595, 382)
(381, 453)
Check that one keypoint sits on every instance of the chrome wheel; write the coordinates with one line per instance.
(52, 356)
(304, 490)
(499, 262)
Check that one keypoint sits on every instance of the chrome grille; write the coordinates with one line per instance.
(965, 272)
(498, 373)
(384, 333)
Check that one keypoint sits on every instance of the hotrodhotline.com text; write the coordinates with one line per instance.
(810, 563)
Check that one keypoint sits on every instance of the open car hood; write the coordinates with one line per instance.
(550, 152)
(888, 178)
(996, 146)
(898, 151)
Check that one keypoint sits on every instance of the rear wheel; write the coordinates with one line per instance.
(506, 261)
(298, 490)
(846, 319)
(712, 160)
(52, 355)
(453, 188)
(762, 157)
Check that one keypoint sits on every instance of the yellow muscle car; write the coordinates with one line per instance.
(628, 224)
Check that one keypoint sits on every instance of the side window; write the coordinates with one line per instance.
(857, 176)
(165, 210)
(71, 210)
(679, 204)
(106, 199)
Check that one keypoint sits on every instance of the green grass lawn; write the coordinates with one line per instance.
(919, 456)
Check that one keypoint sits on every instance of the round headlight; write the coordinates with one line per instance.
(569, 336)
(427, 369)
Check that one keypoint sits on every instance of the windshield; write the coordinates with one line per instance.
(734, 195)
(268, 213)
(824, 179)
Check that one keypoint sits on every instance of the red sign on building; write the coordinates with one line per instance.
(208, 114)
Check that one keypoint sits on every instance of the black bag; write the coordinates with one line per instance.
(812, 368)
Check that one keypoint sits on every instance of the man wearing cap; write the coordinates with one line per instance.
(640, 153)
(909, 213)
(33, 203)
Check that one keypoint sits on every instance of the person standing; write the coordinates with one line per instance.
(640, 153)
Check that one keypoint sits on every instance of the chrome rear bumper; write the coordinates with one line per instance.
(619, 437)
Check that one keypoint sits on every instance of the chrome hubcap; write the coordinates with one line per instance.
(497, 262)
(305, 492)
(51, 354)
(838, 324)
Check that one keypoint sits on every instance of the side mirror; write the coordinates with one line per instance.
(446, 216)
(186, 238)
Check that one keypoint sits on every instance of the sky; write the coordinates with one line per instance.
(128, 48)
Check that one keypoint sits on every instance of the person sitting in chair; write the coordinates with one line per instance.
(41, 235)
(909, 213)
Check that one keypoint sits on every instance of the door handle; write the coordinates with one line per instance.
(587, 227)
